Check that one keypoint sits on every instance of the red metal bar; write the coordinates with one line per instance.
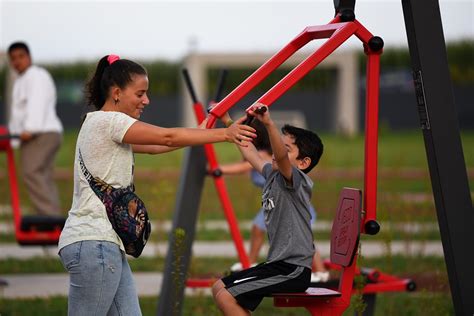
(14, 192)
(347, 281)
(223, 194)
(195, 283)
(371, 137)
(32, 237)
(273, 63)
(337, 38)
(362, 33)
(399, 285)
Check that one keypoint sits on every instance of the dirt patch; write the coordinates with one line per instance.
(430, 281)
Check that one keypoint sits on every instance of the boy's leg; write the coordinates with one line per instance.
(257, 236)
(226, 302)
(250, 286)
(318, 264)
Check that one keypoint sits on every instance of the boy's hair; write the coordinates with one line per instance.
(262, 142)
(309, 144)
(18, 45)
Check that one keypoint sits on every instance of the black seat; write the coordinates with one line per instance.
(42, 222)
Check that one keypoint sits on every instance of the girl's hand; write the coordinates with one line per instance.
(240, 134)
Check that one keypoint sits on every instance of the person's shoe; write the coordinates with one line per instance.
(317, 277)
(236, 267)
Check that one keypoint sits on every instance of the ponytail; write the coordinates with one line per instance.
(110, 72)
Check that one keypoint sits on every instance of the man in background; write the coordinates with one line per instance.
(33, 117)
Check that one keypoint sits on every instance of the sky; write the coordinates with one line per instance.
(69, 31)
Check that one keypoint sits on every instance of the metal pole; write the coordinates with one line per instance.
(182, 234)
(439, 123)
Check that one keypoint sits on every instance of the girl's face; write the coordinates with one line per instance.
(133, 99)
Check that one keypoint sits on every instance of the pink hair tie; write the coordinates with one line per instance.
(112, 58)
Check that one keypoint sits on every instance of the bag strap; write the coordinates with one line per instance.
(97, 185)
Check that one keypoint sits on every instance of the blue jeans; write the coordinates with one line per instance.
(101, 281)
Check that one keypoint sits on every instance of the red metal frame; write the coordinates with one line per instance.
(33, 237)
(225, 202)
(337, 33)
(344, 244)
(377, 281)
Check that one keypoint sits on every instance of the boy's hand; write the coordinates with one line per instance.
(239, 133)
(260, 111)
(203, 123)
(225, 118)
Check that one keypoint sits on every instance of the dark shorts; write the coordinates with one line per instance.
(250, 286)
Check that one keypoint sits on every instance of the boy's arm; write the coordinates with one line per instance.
(236, 167)
(251, 154)
(280, 152)
(248, 151)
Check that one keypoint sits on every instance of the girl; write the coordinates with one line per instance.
(101, 281)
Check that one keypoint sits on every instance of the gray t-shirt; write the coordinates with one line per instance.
(287, 217)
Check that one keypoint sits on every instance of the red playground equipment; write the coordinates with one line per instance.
(315, 298)
(326, 301)
(30, 230)
(344, 242)
(337, 31)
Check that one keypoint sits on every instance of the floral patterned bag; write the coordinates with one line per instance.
(126, 212)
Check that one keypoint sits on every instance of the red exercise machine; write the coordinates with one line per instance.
(29, 229)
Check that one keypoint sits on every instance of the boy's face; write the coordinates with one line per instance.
(293, 152)
(20, 60)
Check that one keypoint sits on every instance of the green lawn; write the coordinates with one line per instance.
(402, 171)
(407, 304)
(404, 195)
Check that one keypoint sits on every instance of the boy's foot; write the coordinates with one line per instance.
(319, 276)
(236, 267)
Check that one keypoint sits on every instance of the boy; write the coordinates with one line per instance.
(286, 200)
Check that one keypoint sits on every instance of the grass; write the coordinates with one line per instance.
(398, 265)
(396, 149)
(402, 170)
(319, 235)
(404, 195)
(408, 304)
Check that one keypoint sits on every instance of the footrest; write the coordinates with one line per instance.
(42, 223)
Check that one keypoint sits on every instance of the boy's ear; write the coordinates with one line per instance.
(304, 163)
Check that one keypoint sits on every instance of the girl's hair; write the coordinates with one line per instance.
(119, 73)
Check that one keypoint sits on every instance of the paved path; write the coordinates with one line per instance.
(42, 285)
(6, 227)
(45, 285)
(227, 249)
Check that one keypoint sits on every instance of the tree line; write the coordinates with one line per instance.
(165, 76)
